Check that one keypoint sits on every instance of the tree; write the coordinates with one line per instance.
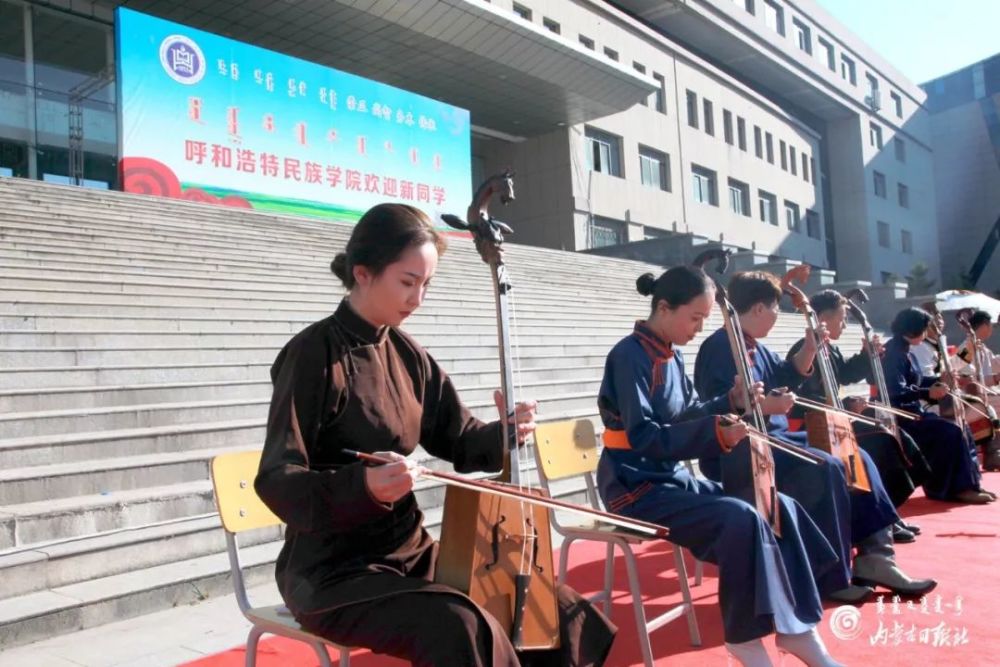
(918, 283)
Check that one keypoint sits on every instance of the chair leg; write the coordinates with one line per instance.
(345, 657)
(564, 560)
(609, 577)
(699, 570)
(324, 657)
(252, 640)
(682, 580)
(640, 613)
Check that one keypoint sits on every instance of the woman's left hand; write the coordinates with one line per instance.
(524, 414)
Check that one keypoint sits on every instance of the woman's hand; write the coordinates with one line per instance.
(524, 414)
(778, 402)
(389, 482)
(731, 432)
(938, 391)
(736, 396)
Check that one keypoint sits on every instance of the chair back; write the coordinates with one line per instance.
(566, 448)
(239, 506)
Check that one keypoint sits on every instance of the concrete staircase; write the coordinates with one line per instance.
(135, 340)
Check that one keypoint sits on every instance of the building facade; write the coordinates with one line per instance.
(761, 123)
(964, 109)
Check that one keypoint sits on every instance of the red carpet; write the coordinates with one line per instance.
(956, 625)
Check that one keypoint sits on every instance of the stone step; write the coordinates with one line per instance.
(99, 476)
(44, 521)
(97, 377)
(73, 606)
(55, 564)
(82, 446)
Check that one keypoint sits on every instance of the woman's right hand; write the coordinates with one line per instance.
(389, 482)
(731, 431)
(778, 402)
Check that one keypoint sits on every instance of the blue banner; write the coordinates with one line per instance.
(211, 119)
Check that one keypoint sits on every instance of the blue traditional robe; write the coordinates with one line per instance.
(949, 448)
(653, 421)
(844, 518)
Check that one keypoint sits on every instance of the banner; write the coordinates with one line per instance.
(215, 120)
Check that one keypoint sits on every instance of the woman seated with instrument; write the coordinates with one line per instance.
(846, 519)
(980, 358)
(653, 420)
(358, 566)
(979, 371)
(947, 445)
(900, 462)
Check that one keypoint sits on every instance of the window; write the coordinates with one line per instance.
(758, 145)
(897, 104)
(900, 146)
(769, 145)
(741, 133)
(709, 118)
(883, 234)
(522, 11)
(812, 225)
(654, 168)
(879, 184)
(903, 192)
(611, 53)
(587, 42)
(704, 184)
(727, 126)
(660, 99)
(805, 167)
(875, 135)
(812, 169)
(827, 53)
(847, 71)
(774, 17)
(606, 231)
(872, 85)
(551, 25)
(792, 219)
(739, 198)
(603, 152)
(784, 160)
(906, 241)
(654, 233)
(792, 163)
(641, 69)
(803, 36)
(692, 109)
(768, 204)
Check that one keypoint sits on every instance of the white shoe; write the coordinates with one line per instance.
(749, 654)
(807, 647)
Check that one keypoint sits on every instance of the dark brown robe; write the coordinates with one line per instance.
(357, 570)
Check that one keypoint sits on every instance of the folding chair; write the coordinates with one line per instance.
(568, 449)
(240, 510)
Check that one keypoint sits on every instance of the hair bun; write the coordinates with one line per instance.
(645, 284)
(339, 266)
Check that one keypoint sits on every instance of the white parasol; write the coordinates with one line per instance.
(958, 299)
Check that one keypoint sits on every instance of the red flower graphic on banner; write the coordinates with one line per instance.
(146, 176)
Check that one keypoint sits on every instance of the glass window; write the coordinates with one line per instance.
(727, 126)
(897, 104)
(803, 36)
(875, 135)
(660, 96)
(741, 133)
(900, 147)
(12, 44)
(611, 53)
(552, 26)
(879, 179)
(883, 234)
(709, 117)
(769, 144)
(792, 219)
(792, 161)
(827, 53)
(654, 168)
(703, 182)
(587, 42)
(739, 197)
(758, 145)
(606, 231)
(906, 241)
(768, 204)
(812, 225)
(692, 109)
(805, 167)
(774, 17)
(522, 11)
(904, 195)
(847, 71)
(784, 160)
(603, 152)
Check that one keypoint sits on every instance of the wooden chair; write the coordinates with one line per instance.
(568, 449)
(240, 510)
